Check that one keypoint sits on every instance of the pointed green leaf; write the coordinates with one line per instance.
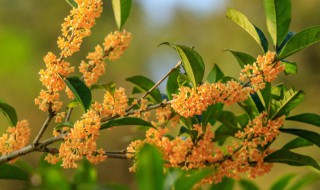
(291, 158)
(258, 102)
(183, 80)
(215, 74)
(249, 107)
(301, 40)
(125, 121)
(85, 174)
(72, 3)
(188, 181)
(244, 23)
(9, 112)
(282, 182)
(8, 171)
(310, 118)
(80, 91)
(243, 119)
(246, 185)
(289, 35)
(243, 58)
(225, 184)
(64, 124)
(172, 83)
(191, 61)
(227, 118)
(308, 135)
(290, 68)
(144, 84)
(121, 10)
(111, 86)
(290, 100)
(278, 14)
(150, 168)
(306, 180)
(297, 143)
(208, 115)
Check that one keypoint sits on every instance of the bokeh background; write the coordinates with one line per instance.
(29, 29)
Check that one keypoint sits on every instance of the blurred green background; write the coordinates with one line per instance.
(29, 29)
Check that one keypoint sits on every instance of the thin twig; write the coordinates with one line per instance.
(43, 128)
(29, 148)
(68, 114)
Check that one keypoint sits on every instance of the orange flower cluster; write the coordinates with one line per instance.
(115, 104)
(80, 142)
(16, 138)
(265, 69)
(193, 101)
(187, 153)
(53, 82)
(77, 25)
(115, 43)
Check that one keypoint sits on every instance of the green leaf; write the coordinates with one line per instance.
(183, 80)
(150, 168)
(309, 118)
(72, 3)
(308, 135)
(224, 132)
(304, 181)
(121, 10)
(191, 61)
(249, 107)
(85, 174)
(278, 14)
(289, 101)
(215, 74)
(242, 58)
(289, 35)
(61, 125)
(290, 68)
(188, 181)
(282, 182)
(8, 171)
(9, 112)
(243, 119)
(301, 40)
(291, 158)
(125, 121)
(144, 84)
(208, 115)
(110, 87)
(246, 185)
(225, 184)
(244, 23)
(266, 95)
(297, 143)
(80, 91)
(258, 102)
(227, 118)
(172, 83)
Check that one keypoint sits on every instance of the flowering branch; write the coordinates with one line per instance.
(44, 127)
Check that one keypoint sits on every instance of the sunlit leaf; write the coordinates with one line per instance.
(291, 158)
(144, 84)
(191, 61)
(111, 86)
(125, 121)
(297, 143)
(278, 14)
(301, 40)
(243, 58)
(282, 182)
(121, 10)
(8, 171)
(9, 112)
(244, 23)
(246, 185)
(215, 74)
(80, 91)
(72, 3)
(309, 118)
(225, 184)
(150, 169)
(289, 101)
(290, 68)
(308, 135)
(172, 83)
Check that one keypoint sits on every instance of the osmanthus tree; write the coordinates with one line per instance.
(212, 146)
